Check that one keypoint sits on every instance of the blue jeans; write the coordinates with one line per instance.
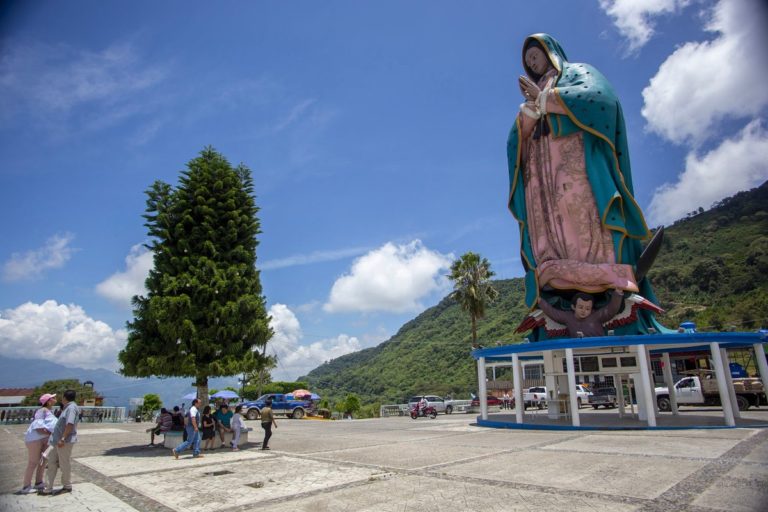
(193, 440)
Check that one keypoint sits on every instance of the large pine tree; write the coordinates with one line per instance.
(204, 314)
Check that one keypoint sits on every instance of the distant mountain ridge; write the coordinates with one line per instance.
(712, 269)
(116, 389)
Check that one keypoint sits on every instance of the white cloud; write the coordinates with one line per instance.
(313, 257)
(296, 359)
(60, 77)
(391, 278)
(703, 83)
(634, 18)
(61, 333)
(120, 287)
(296, 112)
(737, 164)
(31, 264)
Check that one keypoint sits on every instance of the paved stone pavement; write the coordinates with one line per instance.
(397, 464)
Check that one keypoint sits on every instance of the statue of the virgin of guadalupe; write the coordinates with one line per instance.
(571, 191)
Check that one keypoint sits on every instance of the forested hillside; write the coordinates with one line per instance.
(712, 269)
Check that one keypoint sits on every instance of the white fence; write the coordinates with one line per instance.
(16, 415)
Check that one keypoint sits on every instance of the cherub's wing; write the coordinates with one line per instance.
(632, 304)
(536, 319)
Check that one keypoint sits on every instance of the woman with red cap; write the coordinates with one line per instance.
(36, 440)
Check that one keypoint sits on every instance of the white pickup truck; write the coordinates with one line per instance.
(702, 389)
(535, 397)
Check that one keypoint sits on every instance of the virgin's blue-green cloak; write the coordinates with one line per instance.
(591, 107)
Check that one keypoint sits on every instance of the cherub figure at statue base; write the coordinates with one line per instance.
(585, 318)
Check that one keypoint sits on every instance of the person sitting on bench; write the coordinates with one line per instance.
(164, 424)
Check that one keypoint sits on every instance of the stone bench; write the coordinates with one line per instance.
(228, 437)
(174, 438)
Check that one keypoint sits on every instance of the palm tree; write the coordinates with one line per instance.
(472, 289)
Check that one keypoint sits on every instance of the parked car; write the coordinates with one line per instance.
(280, 405)
(432, 400)
(492, 400)
(701, 389)
(582, 395)
(605, 396)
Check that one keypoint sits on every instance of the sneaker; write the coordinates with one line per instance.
(63, 490)
(175, 455)
(235, 449)
(265, 448)
(40, 486)
(44, 492)
(198, 456)
(27, 490)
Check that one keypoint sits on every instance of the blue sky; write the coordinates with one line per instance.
(376, 133)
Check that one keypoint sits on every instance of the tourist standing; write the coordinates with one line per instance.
(36, 440)
(267, 422)
(209, 429)
(62, 441)
(237, 425)
(193, 432)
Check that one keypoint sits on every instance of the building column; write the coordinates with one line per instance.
(517, 381)
(652, 378)
(669, 382)
(762, 364)
(482, 389)
(550, 382)
(722, 385)
(619, 385)
(572, 398)
(649, 393)
(729, 384)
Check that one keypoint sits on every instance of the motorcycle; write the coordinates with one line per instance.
(423, 412)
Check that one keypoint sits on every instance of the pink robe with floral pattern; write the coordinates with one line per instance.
(573, 250)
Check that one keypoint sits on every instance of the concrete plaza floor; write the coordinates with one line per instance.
(397, 464)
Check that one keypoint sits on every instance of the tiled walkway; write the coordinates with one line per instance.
(400, 464)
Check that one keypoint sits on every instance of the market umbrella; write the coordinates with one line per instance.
(190, 396)
(225, 393)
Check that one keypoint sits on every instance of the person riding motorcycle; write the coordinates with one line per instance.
(422, 406)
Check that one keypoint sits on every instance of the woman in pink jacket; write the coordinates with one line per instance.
(36, 440)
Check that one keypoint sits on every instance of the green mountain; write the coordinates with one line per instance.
(712, 269)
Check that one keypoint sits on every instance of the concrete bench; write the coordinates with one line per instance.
(174, 438)
(228, 437)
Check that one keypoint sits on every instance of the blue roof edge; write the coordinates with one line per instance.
(730, 339)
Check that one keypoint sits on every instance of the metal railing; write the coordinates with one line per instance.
(18, 415)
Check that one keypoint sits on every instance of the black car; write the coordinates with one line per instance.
(605, 396)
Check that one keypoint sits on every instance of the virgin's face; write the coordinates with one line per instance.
(536, 60)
